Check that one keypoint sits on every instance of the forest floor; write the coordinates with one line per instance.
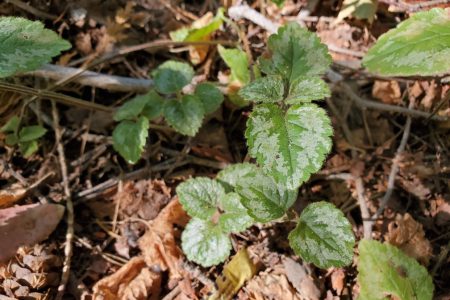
(127, 219)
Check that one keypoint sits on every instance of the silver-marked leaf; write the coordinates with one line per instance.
(307, 89)
(265, 89)
(200, 197)
(237, 61)
(185, 116)
(235, 217)
(129, 138)
(289, 146)
(205, 243)
(323, 236)
(419, 46)
(264, 199)
(131, 109)
(295, 52)
(233, 174)
(172, 76)
(384, 270)
(26, 45)
(210, 96)
(154, 106)
(31, 133)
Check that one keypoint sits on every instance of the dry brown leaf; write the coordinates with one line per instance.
(158, 244)
(299, 278)
(27, 225)
(338, 280)
(270, 286)
(11, 195)
(409, 236)
(387, 91)
(133, 281)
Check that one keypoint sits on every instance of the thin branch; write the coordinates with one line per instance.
(404, 6)
(32, 10)
(69, 206)
(386, 107)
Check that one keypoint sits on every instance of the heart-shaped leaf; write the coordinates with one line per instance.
(205, 243)
(185, 116)
(172, 76)
(264, 199)
(129, 138)
(323, 236)
(289, 146)
(419, 46)
(26, 45)
(200, 197)
(384, 270)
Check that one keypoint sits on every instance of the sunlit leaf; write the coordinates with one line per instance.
(26, 45)
(265, 89)
(418, 46)
(237, 61)
(290, 146)
(129, 138)
(385, 271)
(200, 197)
(185, 116)
(199, 29)
(264, 199)
(172, 76)
(205, 243)
(323, 236)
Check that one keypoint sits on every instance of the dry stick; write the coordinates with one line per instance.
(395, 166)
(365, 215)
(415, 7)
(69, 205)
(32, 10)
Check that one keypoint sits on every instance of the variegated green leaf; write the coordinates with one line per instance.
(385, 271)
(265, 89)
(419, 46)
(289, 146)
(200, 197)
(129, 138)
(234, 173)
(295, 52)
(323, 236)
(185, 116)
(26, 45)
(307, 89)
(264, 199)
(205, 243)
(235, 217)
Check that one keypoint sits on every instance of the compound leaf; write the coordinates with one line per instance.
(200, 197)
(129, 138)
(31, 133)
(232, 174)
(295, 52)
(265, 89)
(419, 45)
(205, 243)
(385, 271)
(26, 45)
(154, 105)
(307, 89)
(323, 236)
(131, 109)
(172, 76)
(235, 217)
(185, 116)
(264, 199)
(237, 61)
(289, 146)
(210, 96)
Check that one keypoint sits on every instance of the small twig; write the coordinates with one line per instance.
(32, 10)
(416, 6)
(365, 215)
(365, 103)
(246, 12)
(69, 206)
(395, 166)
